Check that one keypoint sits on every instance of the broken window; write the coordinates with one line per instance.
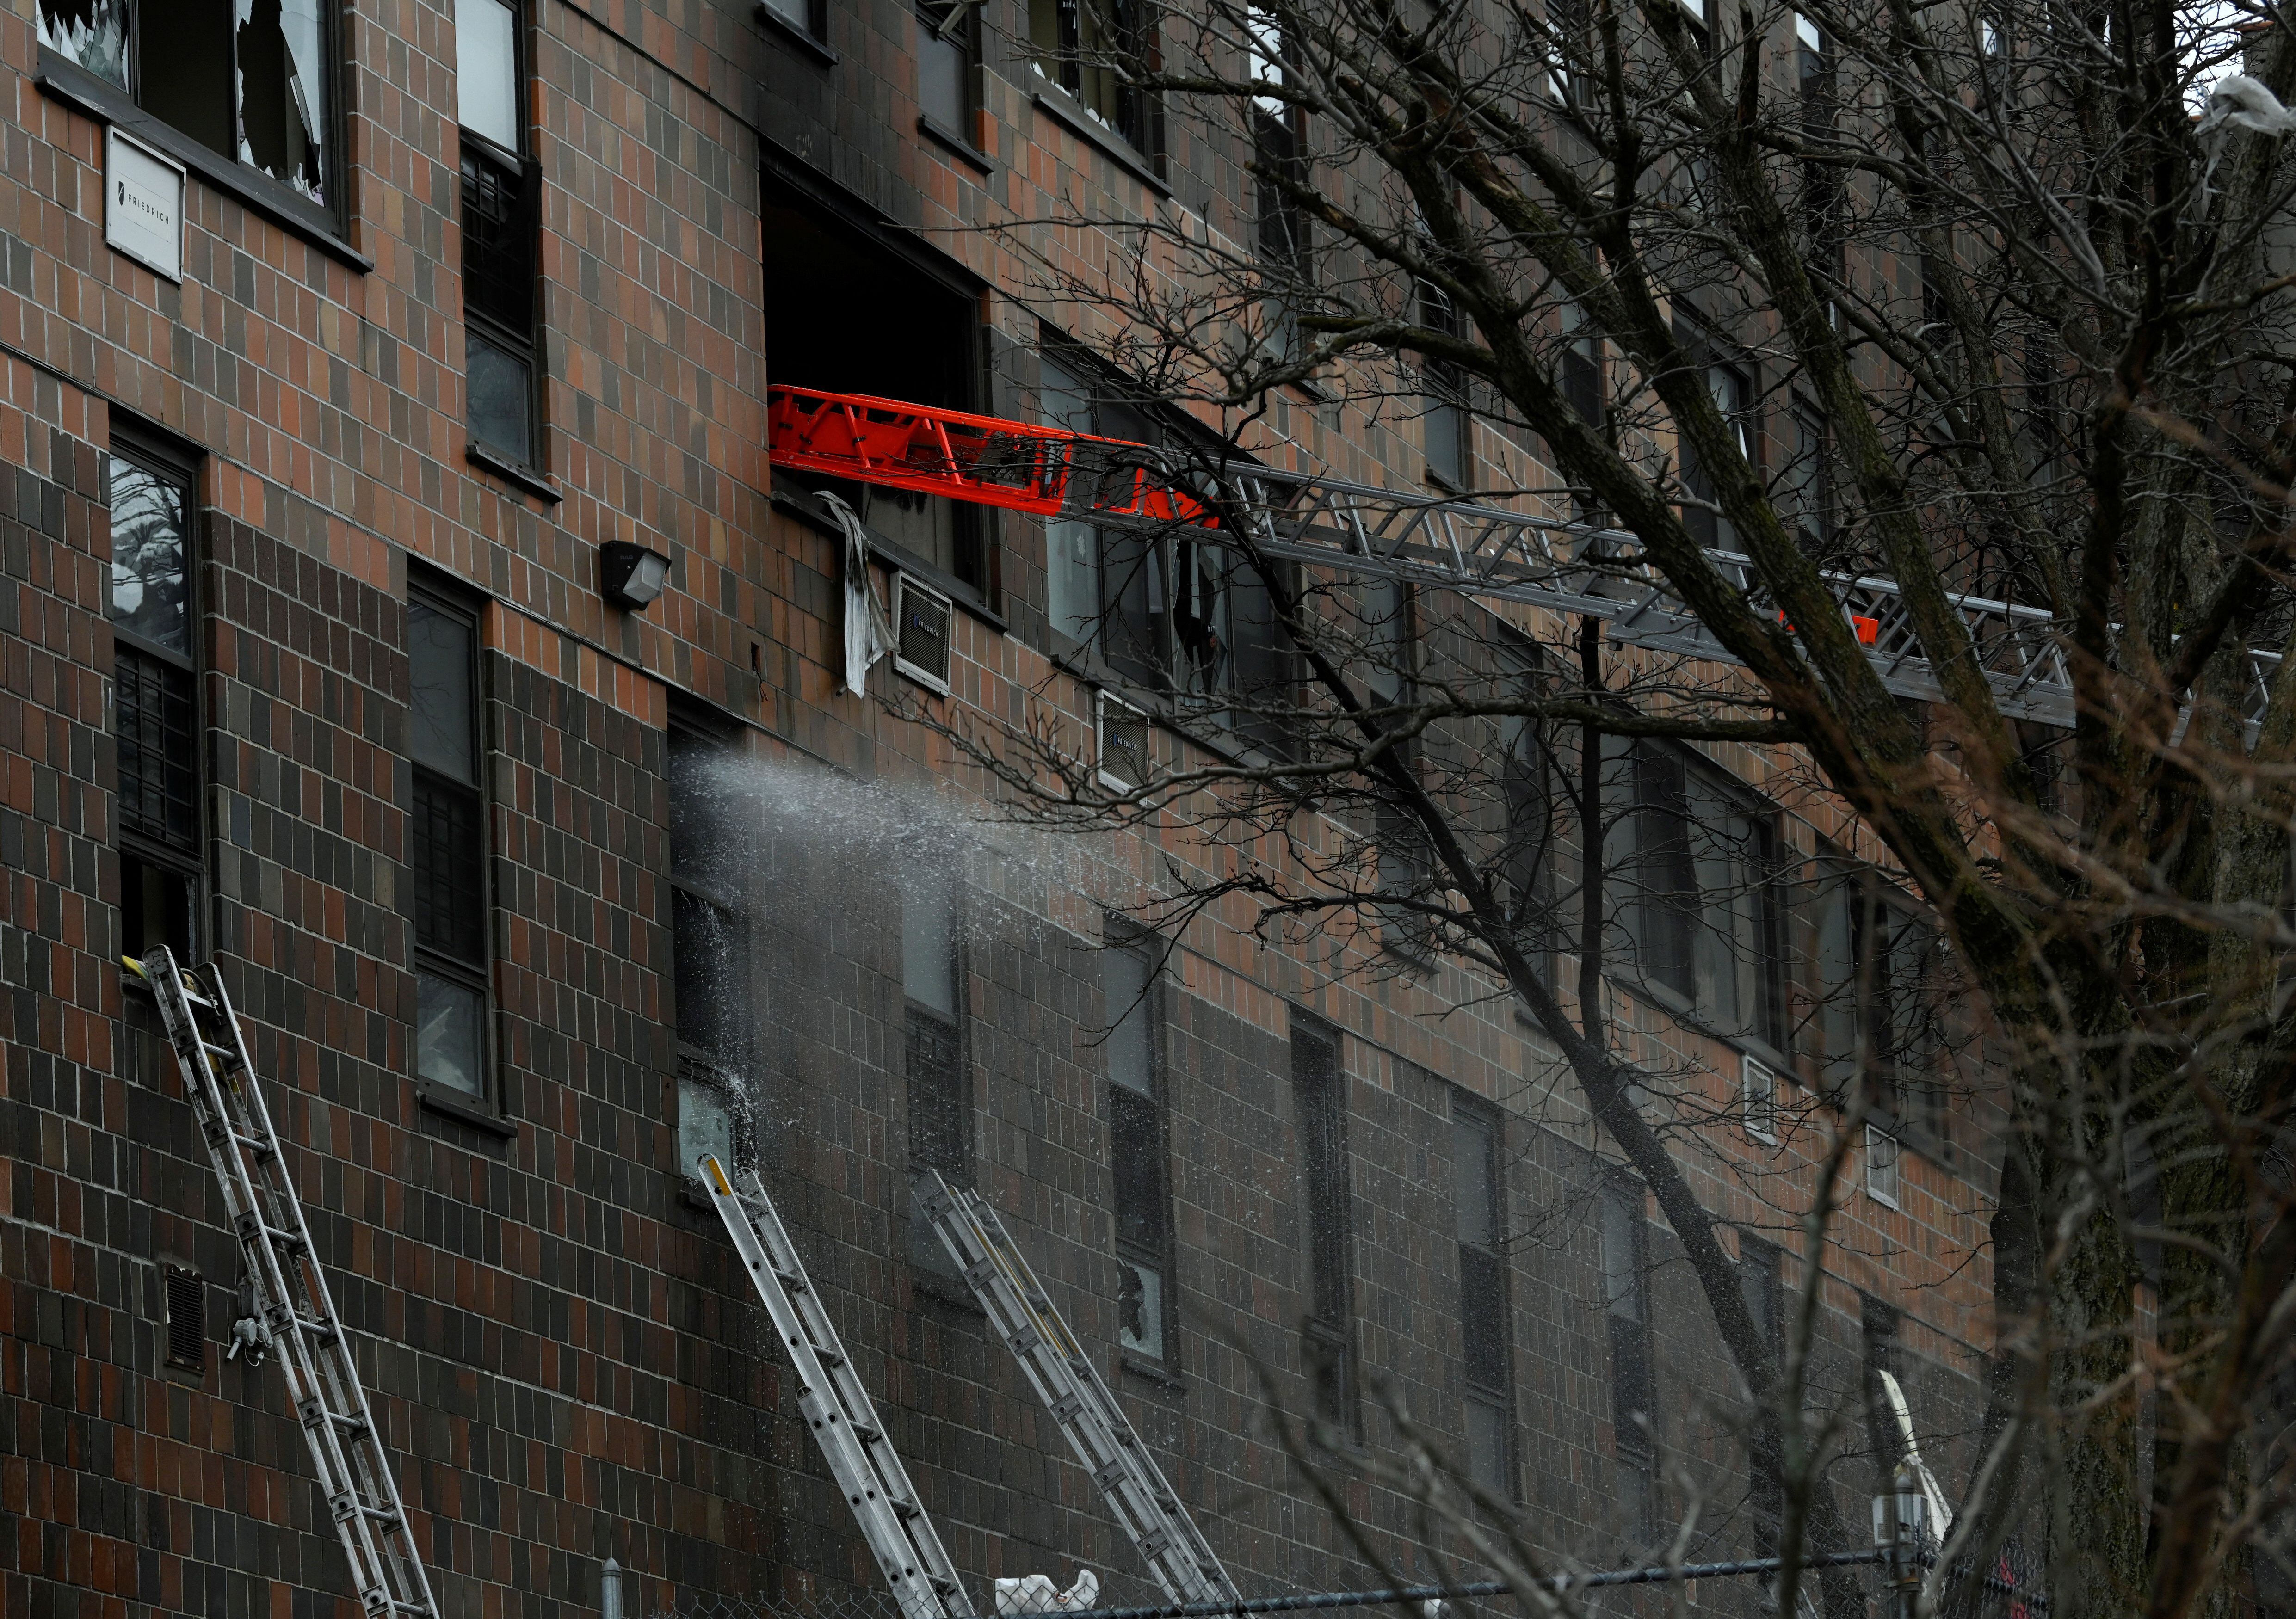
(155, 710)
(1136, 1144)
(1805, 488)
(448, 838)
(847, 311)
(251, 80)
(501, 192)
(1095, 49)
(1479, 1214)
(940, 1098)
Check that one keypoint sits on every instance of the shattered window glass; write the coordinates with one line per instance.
(283, 92)
(93, 33)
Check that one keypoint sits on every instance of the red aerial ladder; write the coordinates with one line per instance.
(1461, 545)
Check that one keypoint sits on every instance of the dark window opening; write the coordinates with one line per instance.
(1532, 791)
(1479, 1215)
(1136, 1149)
(252, 82)
(447, 846)
(712, 999)
(187, 1319)
(1095, 49)
(1320, 1105)
(502, 223)
(1279, 156)
(912, 336)
(155, 706)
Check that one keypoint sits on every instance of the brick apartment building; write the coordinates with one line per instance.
(312, 670)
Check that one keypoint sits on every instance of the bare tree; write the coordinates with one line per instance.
(1987, 299)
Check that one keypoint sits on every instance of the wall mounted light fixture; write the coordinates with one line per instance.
(631, 574)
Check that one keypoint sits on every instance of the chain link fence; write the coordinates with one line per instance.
(2010, 1588)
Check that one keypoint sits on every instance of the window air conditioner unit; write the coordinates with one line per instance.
(1123, 743)
(920, 627)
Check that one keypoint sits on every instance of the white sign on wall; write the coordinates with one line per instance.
(144, 204)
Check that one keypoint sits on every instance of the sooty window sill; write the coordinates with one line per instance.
(940, 135)
(526, 479)
(62, 80)
(1063, 109)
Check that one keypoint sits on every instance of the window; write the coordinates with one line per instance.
(1320, 1117)
(1571, 53)
(922, 342)
(945, 47)
(1707, 526)
(1699, 895)
(251, 81)
(708, 956)
(1634, 1389)
(1136, 1147)
(447, 842)
(1878, 961)
(1479, 1206)
(1170, 613)
(1529, 862)
(1089, 48)
(501, 221)
(1279, 156)
(940, 1110)
(798, 14)
(155, 700)
(1447, 425)
(1824, 194)
(1805, 484)
(1881, 1165)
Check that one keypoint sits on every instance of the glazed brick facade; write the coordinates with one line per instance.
(556, 1335)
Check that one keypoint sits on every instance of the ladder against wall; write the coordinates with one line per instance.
(1062, 1371)
(291, 1299)
(845, 1424)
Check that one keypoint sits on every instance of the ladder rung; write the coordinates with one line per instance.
(252, 1223)
(345, 1506)
(316, 1414)
(229, 1053)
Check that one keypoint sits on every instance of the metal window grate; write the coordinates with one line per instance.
(159, 797)
(187, 1319)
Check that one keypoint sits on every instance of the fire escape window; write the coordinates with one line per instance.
(155, 703)
(447, 842)
(250, 80)
(502, 188)
(1479, 1191)
(1136, 1154)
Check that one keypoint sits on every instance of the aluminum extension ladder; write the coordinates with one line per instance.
(829, 1394)
(291, 1292)
(1073, 1390)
